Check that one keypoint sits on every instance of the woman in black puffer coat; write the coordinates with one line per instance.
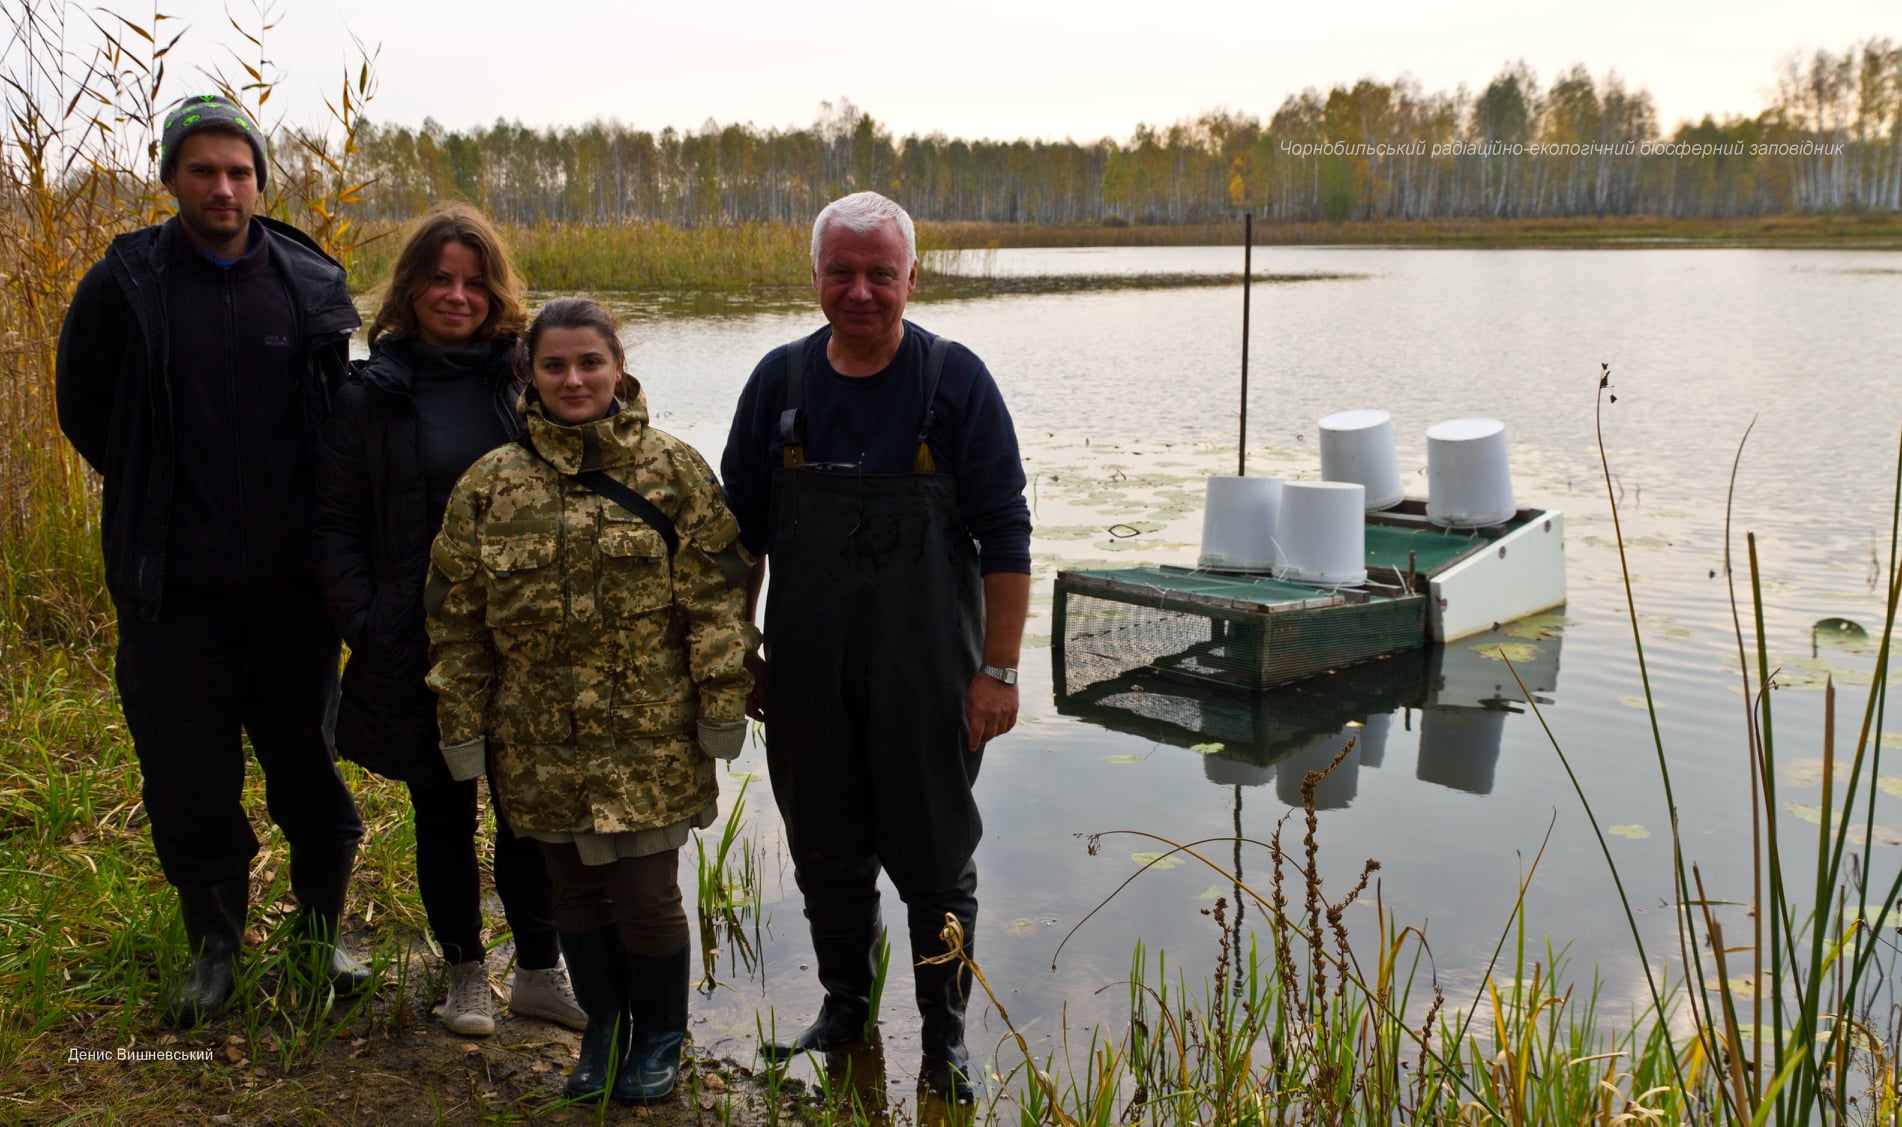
(438, 392)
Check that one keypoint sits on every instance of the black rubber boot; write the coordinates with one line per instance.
(596, 969)
(214, 927)
(942, 990)
(657, 1013)
(319, 879)
(847, 963)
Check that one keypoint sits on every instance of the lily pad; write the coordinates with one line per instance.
(1519, 653)
(1157, 860)
(1890, 785)
(1811, 814)
(1122, 759)
(1632, 832)
(1842, 634)
(1206, 749)
(1892, 740)
(1884, 835)
(1213, 892)
(1638, 703)
(1810, 673)
(1020, 927)
(1738, 987)
(1802, 772)
(1869, 912)
(1538, 627)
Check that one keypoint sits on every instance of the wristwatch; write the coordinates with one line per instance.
(1008, 676)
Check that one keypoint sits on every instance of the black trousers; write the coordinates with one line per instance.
(218, 665)
(451, 883)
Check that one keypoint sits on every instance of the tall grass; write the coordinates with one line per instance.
(1806, 1025)
(79, 168)
(727, 895)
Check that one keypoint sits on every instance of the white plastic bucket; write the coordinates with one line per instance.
(1459, 747)
(1372, 739)
(1468, 482)
(1337, 788)
(1321, 536)
(1358, 446)
(1238, 524)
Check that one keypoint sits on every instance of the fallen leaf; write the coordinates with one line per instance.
(1632, 832)
(470, 1047)
(1157, 860)
(1206, 749)
(713, 1082)
(1122, 759)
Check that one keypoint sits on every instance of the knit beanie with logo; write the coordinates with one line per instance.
(195, 113)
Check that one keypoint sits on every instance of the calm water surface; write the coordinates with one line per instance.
(1126, 400)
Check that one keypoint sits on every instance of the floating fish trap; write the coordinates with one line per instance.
(1234, 631)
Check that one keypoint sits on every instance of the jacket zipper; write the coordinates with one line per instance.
(237, 432)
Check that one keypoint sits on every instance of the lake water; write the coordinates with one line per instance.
(1125, 400)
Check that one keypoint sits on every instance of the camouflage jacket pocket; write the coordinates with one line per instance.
(635, 576)
(524, 586)
(655, 719)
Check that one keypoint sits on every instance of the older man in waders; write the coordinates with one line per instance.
(874, 464)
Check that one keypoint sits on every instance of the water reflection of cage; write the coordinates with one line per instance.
(1256, 729)
(1233, 631)
(1463, 694)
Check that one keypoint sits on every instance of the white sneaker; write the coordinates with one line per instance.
(466, 1009)
(546, 994)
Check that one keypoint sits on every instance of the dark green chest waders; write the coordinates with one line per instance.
(874, 624)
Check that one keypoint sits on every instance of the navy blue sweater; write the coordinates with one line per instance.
(870, 423)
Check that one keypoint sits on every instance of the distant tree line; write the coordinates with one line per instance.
(1830, 141)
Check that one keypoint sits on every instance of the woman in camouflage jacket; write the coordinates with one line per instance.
(599, 659)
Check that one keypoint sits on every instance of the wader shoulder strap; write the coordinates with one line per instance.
(922, 462)
(621, 495)
(792, 424)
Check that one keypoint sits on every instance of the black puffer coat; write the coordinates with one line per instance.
(372, 538)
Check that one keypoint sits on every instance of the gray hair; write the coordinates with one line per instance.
(865, 212)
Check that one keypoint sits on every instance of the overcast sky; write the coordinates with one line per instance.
(992, 68)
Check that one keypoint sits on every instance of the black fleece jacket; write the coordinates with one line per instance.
(119, 400)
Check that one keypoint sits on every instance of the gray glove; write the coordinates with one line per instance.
(722, 739)
(466, 760)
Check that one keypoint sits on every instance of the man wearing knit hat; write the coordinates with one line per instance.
(195, 371)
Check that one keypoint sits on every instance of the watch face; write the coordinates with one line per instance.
(1007, 676)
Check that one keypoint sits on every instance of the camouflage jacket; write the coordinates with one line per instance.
(559, 628)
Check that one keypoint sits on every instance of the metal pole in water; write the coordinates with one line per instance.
(1248, 273)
